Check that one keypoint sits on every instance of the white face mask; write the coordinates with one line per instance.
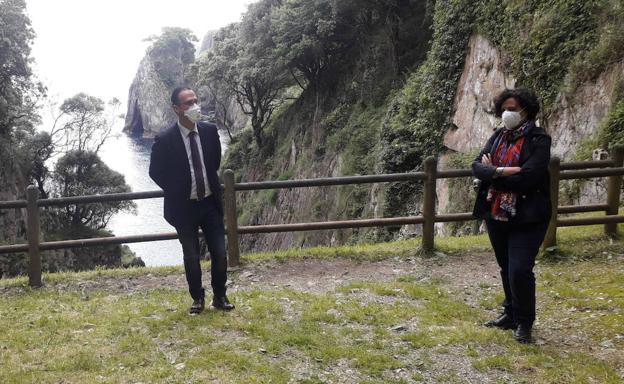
(193, 113)
(511, 119)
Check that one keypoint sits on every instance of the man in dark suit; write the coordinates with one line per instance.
(184, 163)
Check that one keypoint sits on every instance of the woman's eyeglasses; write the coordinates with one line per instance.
(189, 103)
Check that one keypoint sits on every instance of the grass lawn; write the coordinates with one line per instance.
(417, 320)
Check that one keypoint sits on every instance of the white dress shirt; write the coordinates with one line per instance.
(185, 132)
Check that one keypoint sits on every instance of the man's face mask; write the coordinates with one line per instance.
(193, 113)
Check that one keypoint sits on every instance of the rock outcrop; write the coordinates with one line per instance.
(580, 115)
(483, 77)
(149, 107)
(575, 118)
(207, 42)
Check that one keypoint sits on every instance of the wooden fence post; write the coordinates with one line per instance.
(33, 232)
(554, 169)
(231, 218)
(429, 199)
(614, 189)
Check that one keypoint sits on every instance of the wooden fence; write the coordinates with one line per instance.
(612, 168)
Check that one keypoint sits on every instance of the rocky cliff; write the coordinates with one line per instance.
(161, 70)
(576, 116)
(165, 66)
(419, 82)
(149, 107)
(483, 77)
(345, 139)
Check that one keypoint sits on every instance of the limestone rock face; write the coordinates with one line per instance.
(576, 117)
(482, 79)
(207, 42)
(580, 115)
(149, 107)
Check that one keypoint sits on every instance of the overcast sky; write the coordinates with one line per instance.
(95, 46)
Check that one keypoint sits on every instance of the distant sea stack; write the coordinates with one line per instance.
(165, 66)
(149, 108)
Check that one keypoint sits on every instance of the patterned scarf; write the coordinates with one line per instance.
(506, 153)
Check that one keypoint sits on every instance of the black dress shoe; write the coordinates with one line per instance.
(222, 303)
(504, 321)
(197, 306)
(522, 334)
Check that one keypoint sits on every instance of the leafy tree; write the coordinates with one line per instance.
(18, 114)
(242, 63)
(80, 172)
(80, 129)
(18, 92)
(215, 73)
(308, 36)
(82, 124)
(36, 151)
(172, 52)
(357, 18)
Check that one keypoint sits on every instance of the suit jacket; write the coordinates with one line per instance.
(169, 168)
(532, 183)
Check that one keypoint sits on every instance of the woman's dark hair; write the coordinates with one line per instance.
(175, 95)
(526, 98)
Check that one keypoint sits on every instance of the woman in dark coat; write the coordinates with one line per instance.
(514, 200)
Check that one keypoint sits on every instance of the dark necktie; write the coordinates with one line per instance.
(197, 166)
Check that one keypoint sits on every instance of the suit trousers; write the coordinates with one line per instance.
(206, 215)
(515, 247)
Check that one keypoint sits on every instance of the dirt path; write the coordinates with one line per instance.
(311, 275)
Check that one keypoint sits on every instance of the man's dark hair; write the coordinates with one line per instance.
(526, 98)
(175, 95)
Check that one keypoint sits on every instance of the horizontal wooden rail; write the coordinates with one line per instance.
(91, 242)
(106, 198)
(298, 227)
(576, 221)
(590, 173)
(451, 217)
(13, 248)
(453, 173)
(13, 204)
(271, 228)
(582, 208)
(328, 181)
(587, 164)
(612, 168)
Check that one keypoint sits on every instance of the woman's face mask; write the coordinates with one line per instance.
(511, 119)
